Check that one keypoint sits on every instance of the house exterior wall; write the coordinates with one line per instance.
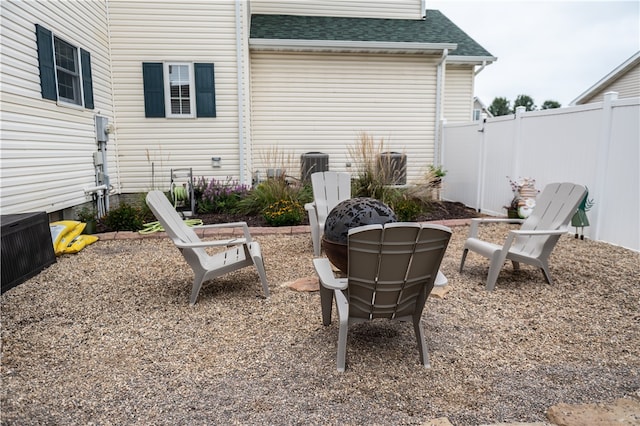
(627, 86)
(47, 147)
(300, 102)
(354, 8)
(175, 31)
(458, 93)
(317, 102)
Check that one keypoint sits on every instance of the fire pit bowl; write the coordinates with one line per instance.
(349, 214)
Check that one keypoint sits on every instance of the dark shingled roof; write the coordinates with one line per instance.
(435, 28)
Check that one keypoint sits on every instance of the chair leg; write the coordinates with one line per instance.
(546, 273)
(497, 261)
(326, 304)
(464, 257)
(197, 285)
(259, 264)
(315, 239)
(342, 306)
(422, 345)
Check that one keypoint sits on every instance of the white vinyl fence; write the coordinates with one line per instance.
(596, 145)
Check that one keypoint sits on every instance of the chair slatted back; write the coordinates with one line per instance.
(171, 221)
(329, 188)
(554, 208)
(392, 268)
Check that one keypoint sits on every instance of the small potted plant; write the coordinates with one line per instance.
(434, 177)
(88, 216)
(523, 201)
(436, 173)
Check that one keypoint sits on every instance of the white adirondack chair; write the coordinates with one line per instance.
(391, 272)
(329, 188)
(535, 240)
(239, 252)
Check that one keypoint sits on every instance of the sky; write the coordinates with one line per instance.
(548, 50)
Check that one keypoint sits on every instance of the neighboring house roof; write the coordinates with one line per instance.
(436, 31)
(482, 106)
(608, 79)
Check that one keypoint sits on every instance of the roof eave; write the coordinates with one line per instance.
(471, 60)
(604, 81)
(350, 46)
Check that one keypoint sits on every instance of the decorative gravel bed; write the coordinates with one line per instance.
(107, 337)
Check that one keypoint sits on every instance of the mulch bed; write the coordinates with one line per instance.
(439, 211)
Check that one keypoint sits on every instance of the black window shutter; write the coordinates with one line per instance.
(46, 63)
(152, 80)
(205, 90)
(87, 82)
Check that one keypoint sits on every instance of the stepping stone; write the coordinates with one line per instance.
(304, 284)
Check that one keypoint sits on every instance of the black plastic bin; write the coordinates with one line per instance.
(26, 247)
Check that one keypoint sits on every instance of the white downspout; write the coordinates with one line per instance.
(440, 72)
(240, 66)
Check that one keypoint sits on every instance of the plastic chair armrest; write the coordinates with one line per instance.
(539, 232)
(325, 273)
(476, 222)
(217, 243)
(243, 225)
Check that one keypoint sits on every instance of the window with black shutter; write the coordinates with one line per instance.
(65, 70)
(178, 89)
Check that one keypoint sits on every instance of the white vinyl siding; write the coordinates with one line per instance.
(627, 86)
(173, 32)
(458, 93)
(47, 147)
(322, 102)
(406, 9)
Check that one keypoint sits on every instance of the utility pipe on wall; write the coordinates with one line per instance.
(440, 73)
(239, 68)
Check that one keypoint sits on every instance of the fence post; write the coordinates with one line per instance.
(515, 161)
(482, 161)
(439, 153)
(603, 162)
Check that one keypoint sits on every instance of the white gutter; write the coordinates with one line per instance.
(479, 70)
(440, 72)
(474, 60)
(347, 46)
(240, 65)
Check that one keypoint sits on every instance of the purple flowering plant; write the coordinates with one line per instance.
(219, 196)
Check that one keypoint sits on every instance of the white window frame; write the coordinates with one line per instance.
(76, 74)
(167, 90)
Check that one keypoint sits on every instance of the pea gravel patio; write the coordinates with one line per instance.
(107, 337)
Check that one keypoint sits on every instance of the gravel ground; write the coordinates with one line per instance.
(107, 337)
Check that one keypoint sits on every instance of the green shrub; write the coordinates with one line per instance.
(271, 191)
(284, 213)
(125, 217)
(407, 209)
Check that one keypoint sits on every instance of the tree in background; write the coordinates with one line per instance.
(502, 106)
(525, 101)
(499, 106)
(549, 104)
